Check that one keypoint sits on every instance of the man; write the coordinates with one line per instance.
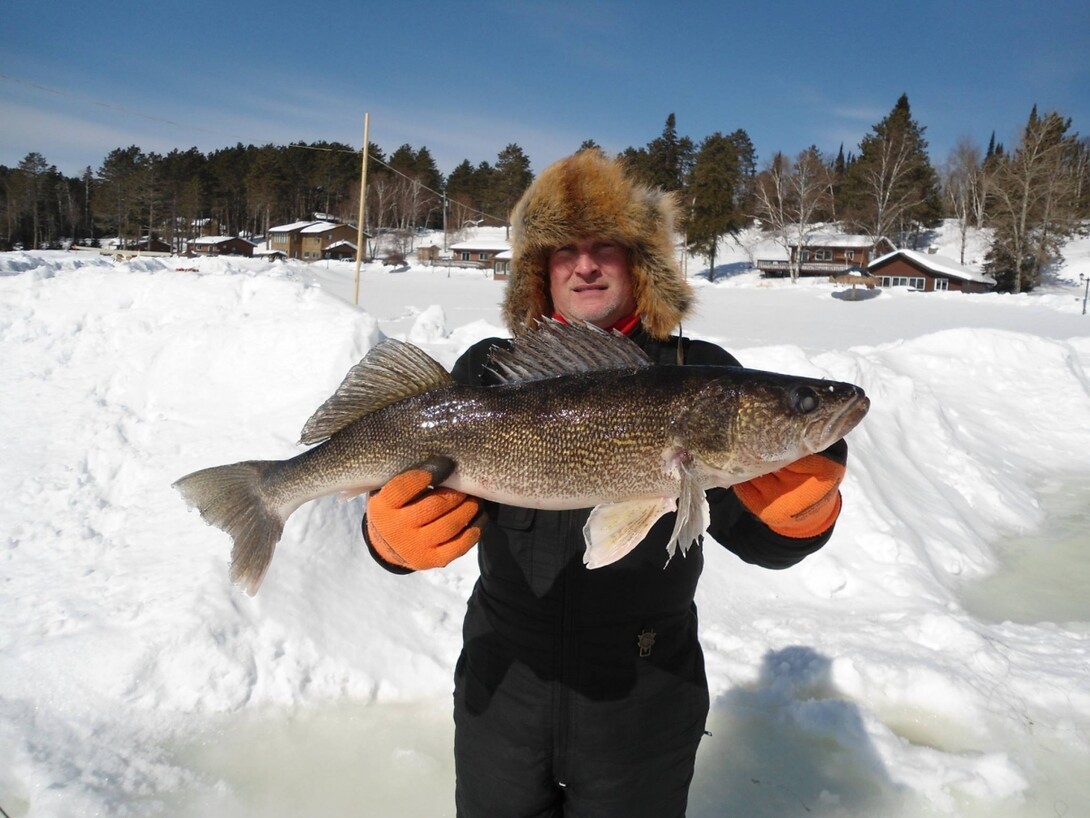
(580, 692)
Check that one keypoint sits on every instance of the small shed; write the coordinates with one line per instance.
(341, 250)
(429, 254)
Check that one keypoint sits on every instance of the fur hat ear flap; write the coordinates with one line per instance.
(584, 196)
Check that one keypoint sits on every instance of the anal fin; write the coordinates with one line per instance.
(614, 530)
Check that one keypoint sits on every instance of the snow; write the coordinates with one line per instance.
(897, 672)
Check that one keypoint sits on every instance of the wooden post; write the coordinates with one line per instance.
(363, 200)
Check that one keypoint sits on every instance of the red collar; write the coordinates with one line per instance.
(625, 326)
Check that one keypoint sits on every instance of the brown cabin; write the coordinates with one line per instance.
(221, 246)
(827, 254)
(927, 273)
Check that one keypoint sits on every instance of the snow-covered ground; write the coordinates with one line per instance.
(931, 660)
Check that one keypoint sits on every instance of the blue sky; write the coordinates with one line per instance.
(464, 80)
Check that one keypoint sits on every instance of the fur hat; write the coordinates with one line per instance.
(585, 196)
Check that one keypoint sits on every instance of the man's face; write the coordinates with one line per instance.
(590, 280)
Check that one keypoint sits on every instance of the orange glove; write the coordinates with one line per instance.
(802, 499)
(411, 525)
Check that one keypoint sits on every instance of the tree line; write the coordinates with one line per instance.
(1033, 197)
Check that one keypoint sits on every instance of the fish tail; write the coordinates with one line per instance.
(233, 499)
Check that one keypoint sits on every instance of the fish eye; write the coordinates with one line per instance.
(804, 399)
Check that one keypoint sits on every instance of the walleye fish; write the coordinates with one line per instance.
(580, 419)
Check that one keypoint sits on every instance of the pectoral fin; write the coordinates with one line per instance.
(693, 516)
(614, 530)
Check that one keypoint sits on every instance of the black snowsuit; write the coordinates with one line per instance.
(579, 692)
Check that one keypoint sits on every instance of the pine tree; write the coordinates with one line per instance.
(513, 176)
(891, 190)
(716, 193)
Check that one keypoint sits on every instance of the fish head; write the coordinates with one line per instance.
(748, 422)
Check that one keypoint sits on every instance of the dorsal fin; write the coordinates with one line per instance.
(554, 348)
(388, 373)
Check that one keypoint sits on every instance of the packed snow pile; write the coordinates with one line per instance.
(135, 680)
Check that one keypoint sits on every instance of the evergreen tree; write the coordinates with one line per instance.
(891, 190)
(512, 177)
(669, 158)
(716, 189)
(116, 192)
(30, 180)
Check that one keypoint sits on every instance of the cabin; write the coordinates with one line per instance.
(477, 252)
(315, 238)
(146, 244)
(827, 254)
(311, 240)
(220, 246)
(285, 238)
(927, 272)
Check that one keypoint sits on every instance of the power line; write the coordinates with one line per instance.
(389, 167)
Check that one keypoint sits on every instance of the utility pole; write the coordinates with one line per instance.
(363, 200)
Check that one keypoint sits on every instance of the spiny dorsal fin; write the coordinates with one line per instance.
(390, 372)
(553, 348)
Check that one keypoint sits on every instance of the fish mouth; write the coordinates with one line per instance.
(843, 421)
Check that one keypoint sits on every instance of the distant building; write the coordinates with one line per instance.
(429, 254)
(221, 246)
(927, 273)
(310, 240)
(285, 238)
(146, 244)
(477, 252)
(827, 254)
(501, 264)
(317, 237)
(341, 250)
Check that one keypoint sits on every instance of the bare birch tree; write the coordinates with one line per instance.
(791, 196)
(1033, 202)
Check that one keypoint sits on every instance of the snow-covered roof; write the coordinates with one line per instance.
(290, 228)
(939, 265)
(838, 240)
(342, 243)
(213, 239)
(482, 244)
(321, 227)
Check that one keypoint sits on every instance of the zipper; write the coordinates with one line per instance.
(566, 653)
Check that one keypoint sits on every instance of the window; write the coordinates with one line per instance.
(482, 256)
(942, 284)
(913, 282)
(849, 255)
(823, 254)
(465, 255)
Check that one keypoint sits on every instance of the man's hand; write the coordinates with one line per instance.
(412, 525)
(802, 499)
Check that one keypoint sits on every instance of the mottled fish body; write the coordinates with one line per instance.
(581, 419)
